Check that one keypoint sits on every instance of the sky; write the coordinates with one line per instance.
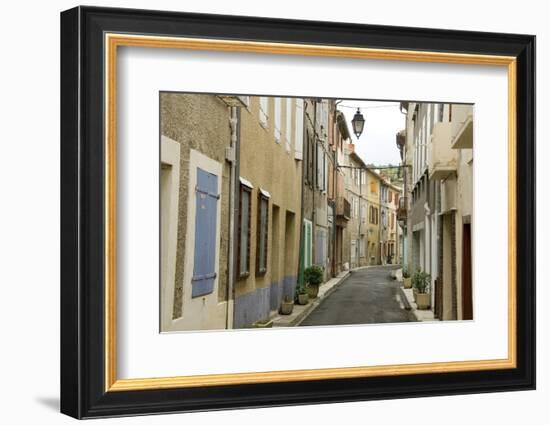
(382, 122)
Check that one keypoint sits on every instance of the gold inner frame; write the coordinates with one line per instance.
(113, 41)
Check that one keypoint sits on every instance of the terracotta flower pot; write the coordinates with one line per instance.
(407, 282)
(303, 299)
(263, 324)
(286, 307)
(423, 301)
(313, 291)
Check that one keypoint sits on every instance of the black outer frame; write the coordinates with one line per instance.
(82, 212)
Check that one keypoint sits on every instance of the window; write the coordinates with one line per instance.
(309, 159)
(264, 111)
(244, 229)
(321, 247)
(262, 232)
(321, 168)
(277, 118)
(206, 200)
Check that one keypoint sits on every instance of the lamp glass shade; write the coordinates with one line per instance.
(358, 123)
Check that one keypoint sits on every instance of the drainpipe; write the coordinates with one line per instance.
(301, 253)
(232, 156)
(380, 223)
(334, 194)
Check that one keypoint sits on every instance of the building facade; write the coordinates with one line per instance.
(337, 193)
(356, 188)
(317, 214)
(195, 198)
(438, 156)
(374, 211)
(268, 234)
(389, 229)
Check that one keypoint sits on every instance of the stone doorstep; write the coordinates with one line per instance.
(300, 312)
(408, 301)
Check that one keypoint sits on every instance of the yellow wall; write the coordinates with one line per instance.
(271, 166)
(373, 199)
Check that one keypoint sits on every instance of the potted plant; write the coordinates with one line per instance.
(421, 282)
(287, 305)
(313, 277)
(265, 323)
(407, 281)
(303, 296)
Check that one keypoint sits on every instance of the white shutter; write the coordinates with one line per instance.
(319, 167)
(288, 123)
(325, 172)
(299, 130)
(263, 111)
(277, 118)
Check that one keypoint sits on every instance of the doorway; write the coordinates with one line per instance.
(467, 301)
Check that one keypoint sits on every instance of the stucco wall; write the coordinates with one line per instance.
(271, 166)
(199, 122)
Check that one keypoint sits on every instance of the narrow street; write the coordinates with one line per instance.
(368, 295)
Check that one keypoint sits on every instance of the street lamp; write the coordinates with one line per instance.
(358, 123)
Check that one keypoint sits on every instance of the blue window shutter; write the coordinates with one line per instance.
(204, 265)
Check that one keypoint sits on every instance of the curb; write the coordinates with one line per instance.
(404, 298)
(312, 305)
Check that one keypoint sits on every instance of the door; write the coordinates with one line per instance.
(467, 302)
(204, 264)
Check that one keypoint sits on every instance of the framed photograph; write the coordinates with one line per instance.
(261, 212)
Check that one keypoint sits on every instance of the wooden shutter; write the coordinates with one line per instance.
(307, 243)
(320, 247)
(243, 238)
(319, 166)
(204, 266)
(262, 233)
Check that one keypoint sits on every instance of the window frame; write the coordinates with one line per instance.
(244, 274)
(261, 198)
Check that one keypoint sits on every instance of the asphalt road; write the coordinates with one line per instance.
(367, 296)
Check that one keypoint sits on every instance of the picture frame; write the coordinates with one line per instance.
(90, 39)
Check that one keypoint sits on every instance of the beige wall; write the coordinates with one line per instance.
(199, 123)
(270, 165)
